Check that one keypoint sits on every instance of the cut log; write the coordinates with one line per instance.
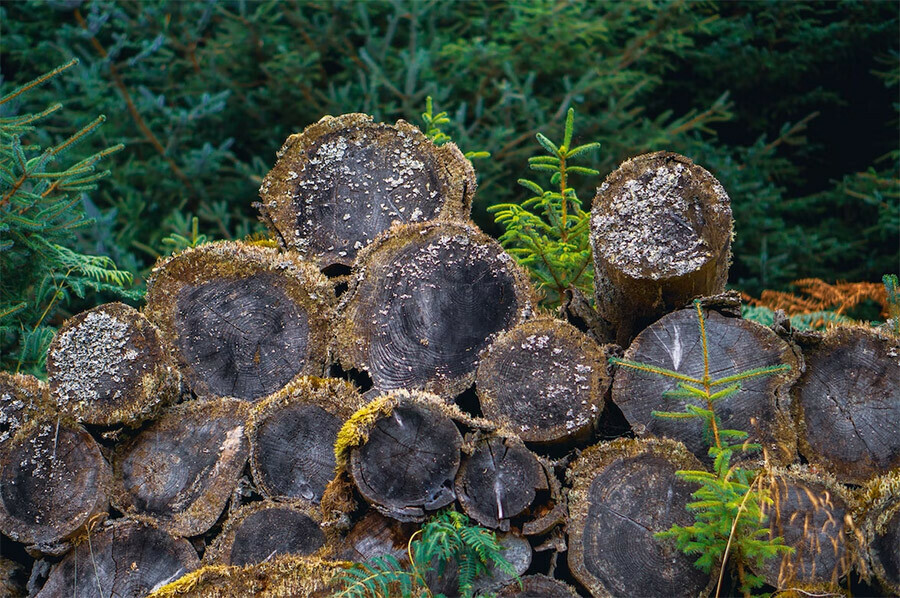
(426, 300)
(123, 559)
(878, 510)
(259, 531)
(243, 319)
(811, 512)
(516, 550)
(344, 180)
(544, 380)
(109, 366)
(499, 481)
(376, 535)
(760, 407)
(538, 585)
(53, 480)
(661, 235)
(622, 493)
(181, 470)
(847, 404)
(292, 436)
(23, 398)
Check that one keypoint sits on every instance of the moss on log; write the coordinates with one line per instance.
(878, 512)
(23, 398)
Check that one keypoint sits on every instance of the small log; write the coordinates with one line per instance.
(516, 550)
(23, 398)
(180, 471)
(243, 319)
(376, 535)
(878, 510)
(426, 300)
(108, 366)
(661, 235)
(622, 493)
(545, 380)
(499, 481)
(760, 407)
(847, 404)
(292, 436)
(344, 180)
(538, 585)
(257, 532)
(125, 558)
(53, 480)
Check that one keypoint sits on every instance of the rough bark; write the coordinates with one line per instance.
(661, 235)
(376, 535)
(344, 180)
(538, 585)
(23, 398)
(243, 319)
(124, 559)
(544, 380)
(622, 493)
(760, 407)
(180, 471)
(108, 366)
(847, 404)
(426, 299)
(878, 511)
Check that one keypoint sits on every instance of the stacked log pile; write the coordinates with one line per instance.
(266, 415)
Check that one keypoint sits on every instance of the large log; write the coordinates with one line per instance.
(847, 404)
(243, 319)
(544, 380)
(124, 559)
(760, 407)
(622, 493)
(878, 511)
(181, 470)
(109, 366)
(23, 398)
(344, 180)
(661, 235)
(426, 299)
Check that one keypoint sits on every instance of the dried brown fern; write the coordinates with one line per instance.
(815, 295)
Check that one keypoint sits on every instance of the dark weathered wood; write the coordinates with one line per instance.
(182, 469)
(499, 481)
(10, 574)
(661, 235)
(426, 299)
(847, 404)
(376, 535)
(344, 180)
(516, 550)
(292, 436)
(23, 398)
(878, 512)
(544, 379)
(760, 408)
(243, 319)
(533, 586)
(622, 493)
(53, 480)
(259, 531)
(109, 366)
(124, 559)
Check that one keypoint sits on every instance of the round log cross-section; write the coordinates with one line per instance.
(760, 407)
(23, 398)
(879, 512)
(182, 469)
(544, 380)
(53, 480)
(344, 180)
(243, 320)
(109, 366)
(623, 493)
(661, 235)
(847, 404)
(426, 300)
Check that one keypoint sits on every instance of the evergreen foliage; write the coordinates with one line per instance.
(728, 516)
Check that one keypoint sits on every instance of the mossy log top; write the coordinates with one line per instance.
(847, 404)
(243, 319)
(344, 180)
(425, 300)
(760, 407)
(544, 380)
(109, 366)
(878, 513)
(23, 398)
(622, 493)
(532, 586)
(181, 470)
(661, 235)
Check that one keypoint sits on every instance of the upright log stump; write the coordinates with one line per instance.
(661, 235)
(878, 510)
(847, 404)
(544, 379)
(426, 299)
(180, 471)
(23, 398)
(243, 320)
(344, 180)
(108, 366)
(622, 493)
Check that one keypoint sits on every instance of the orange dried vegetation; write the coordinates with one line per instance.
(816, 295)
